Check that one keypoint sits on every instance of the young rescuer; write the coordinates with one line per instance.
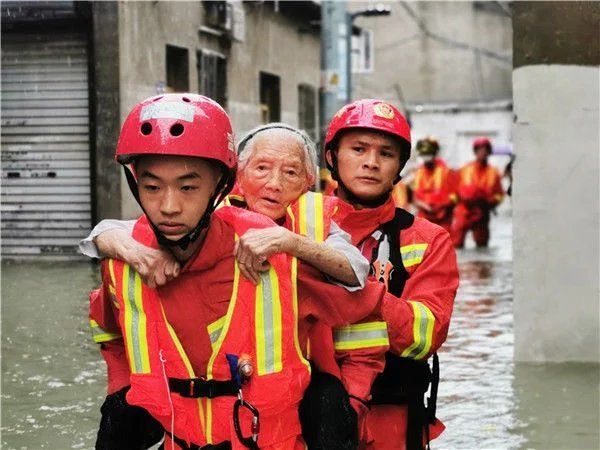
(211, 358)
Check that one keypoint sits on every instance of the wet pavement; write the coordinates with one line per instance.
(53, 380)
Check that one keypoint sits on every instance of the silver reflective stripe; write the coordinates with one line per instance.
(269, 350)
(412, 254)
(345, 335)
(310, 214)
(421, 340)
(135, 319)
(214, 336)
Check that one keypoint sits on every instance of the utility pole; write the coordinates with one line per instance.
(334, 58)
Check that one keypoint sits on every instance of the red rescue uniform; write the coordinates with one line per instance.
(417, 321)
(200, 296)
(479, 190)
(434, 186)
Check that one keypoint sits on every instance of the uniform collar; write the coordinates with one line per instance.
(361, 223)
(213, 249)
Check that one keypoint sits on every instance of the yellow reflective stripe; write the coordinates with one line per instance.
(437, 178)
(319, 219)
(111, 271)
(216, 347)
(135, 321)
(302, 222)
(185, 359)
(214, 330)
(310, 210)
(227, 323)
(422, 331)
(295, 306)
(412, 254)
(100, 335)
(360, 335)
(268, 324)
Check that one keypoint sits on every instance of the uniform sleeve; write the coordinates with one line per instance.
(107, 333)
(334, 305)
(339, 240)
(418, 321)
(87, 246)
(360, 352)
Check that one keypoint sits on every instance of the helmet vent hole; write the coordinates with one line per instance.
(185, 99)
(157, 98)
(176, 129)
(146, 128)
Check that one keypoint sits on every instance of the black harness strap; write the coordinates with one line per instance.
(225, 445)
(405, 381)
(197, 387)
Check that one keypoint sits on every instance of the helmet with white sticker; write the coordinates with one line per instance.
(180, 125)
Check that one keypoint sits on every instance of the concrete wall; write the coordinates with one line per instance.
(420, 54)
(273, 42)
(556, 191)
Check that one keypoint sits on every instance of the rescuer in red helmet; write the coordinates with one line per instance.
(433, 185)
(367, 145)
(211, 358)
(479, 191)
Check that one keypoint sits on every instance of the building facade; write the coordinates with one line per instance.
(71, 71)
(448, 65)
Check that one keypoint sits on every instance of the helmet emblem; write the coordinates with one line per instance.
(383, 110)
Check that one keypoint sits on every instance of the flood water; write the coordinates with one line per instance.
(53, 380)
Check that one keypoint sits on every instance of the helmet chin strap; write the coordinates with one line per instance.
(351, 197)
(223, 186)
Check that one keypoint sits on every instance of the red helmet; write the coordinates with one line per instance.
(178, 124)
(372, 114)
(482, 142)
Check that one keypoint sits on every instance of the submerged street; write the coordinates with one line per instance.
(54, 379)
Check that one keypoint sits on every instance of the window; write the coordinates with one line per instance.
(270, 100)
(212, 76)
(307, 111)
(362, 52)
(177, 69)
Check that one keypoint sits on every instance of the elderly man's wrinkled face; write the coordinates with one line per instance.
(275, 175)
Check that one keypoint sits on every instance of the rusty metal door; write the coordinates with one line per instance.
(46, 201)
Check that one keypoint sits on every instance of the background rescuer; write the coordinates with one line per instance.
(367, 145)
(173, 349)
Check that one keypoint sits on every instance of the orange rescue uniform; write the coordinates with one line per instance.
(479, 190)
(435, 187)
(417, 320)
(199, 298)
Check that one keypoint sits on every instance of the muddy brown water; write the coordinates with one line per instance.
(53, 379)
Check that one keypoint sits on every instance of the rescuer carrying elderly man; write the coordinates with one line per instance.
(212, 358)
(367, 145)
(433, 185)
(479, 190)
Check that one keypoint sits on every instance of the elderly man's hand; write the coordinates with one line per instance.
(256, 246)
(156, 267)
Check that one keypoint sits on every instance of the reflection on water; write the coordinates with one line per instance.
(53, 379)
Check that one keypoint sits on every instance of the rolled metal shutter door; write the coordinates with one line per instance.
(46, 201)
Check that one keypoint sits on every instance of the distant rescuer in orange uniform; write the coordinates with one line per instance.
(479, 191)
(367, 145)
(433, 185)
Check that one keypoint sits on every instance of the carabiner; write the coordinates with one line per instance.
(251, 441)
